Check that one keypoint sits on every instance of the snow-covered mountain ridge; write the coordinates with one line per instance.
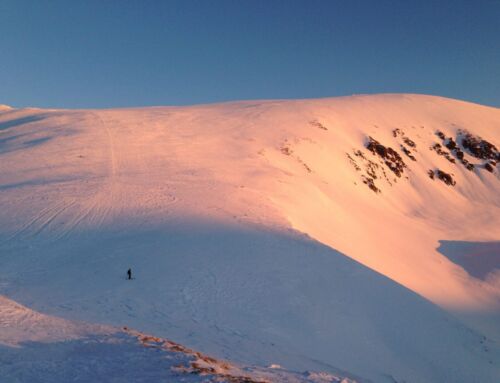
(207, 205)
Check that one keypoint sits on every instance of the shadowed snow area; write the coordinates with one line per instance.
(37, 348)
(117, 358)
(251, 296)
(479, 259)
(302, 233)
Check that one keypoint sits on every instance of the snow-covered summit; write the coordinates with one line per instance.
(301, 232)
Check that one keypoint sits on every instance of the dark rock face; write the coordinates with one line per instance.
(467, 143)
(353, 162)
(407, 145)
(445, 177)
(409, 142)
(370, 169)
(387, 158)
(440, 135)
(439, 150)
(463, 149)
(376, 147)
(370, 183)
(391, 158)
(488, 167)
(467, 164)
(450, 144)
(408, 153)
(479, 148)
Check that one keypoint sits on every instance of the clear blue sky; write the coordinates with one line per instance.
(132, 53)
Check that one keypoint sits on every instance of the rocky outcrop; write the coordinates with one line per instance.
(391, 158)
(477, 147)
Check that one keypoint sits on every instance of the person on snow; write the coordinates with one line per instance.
(129, 274)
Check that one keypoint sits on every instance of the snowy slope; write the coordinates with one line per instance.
(253, 234)
(41, 348)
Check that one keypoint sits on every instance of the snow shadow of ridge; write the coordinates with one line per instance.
(478, 259)
(20, 131)
(248, 294)
(21, 121)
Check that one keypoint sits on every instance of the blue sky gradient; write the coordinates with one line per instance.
(82, 54)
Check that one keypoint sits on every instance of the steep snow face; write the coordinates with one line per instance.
(395, 227)
(205, 204)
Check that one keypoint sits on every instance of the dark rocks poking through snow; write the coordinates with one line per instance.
(445, 177)
(318, 124)
(408, 153)
(387, 156)
(398, 132)
(370, 183)
(467, 164)
(455, 149)
(370, 169)
(440, 135)
(450, 144)
(391, 158)
(473, 145)
(439, 150)
(479, 148)
(409, 142)
(287, 151)
(459, 154)
(353, 162)
(195, 363)
(370, 166)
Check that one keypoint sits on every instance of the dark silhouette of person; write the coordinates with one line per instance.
(129, 273)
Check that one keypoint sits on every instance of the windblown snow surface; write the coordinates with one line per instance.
(351, 238)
